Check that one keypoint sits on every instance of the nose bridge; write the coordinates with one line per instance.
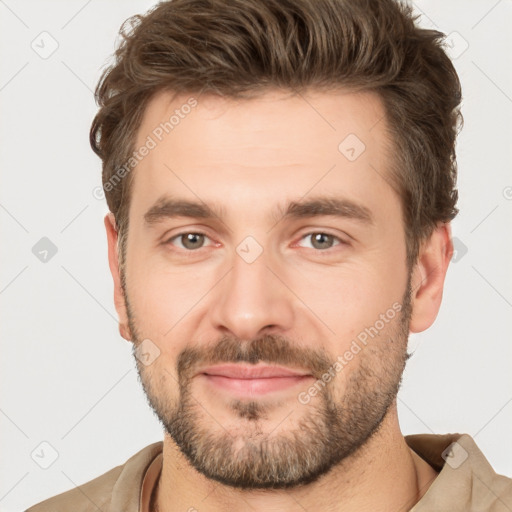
(251, 297)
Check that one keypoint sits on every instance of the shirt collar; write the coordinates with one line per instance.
(126, 493)
(466, 480)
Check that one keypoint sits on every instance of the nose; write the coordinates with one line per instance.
(253, 299)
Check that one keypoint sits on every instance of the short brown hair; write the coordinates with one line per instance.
(240, 48)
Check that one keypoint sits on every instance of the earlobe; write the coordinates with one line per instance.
(113, 261)
(428, 277)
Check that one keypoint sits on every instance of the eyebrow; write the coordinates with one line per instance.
(167, 207)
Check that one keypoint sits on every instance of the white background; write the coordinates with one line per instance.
(67, 377)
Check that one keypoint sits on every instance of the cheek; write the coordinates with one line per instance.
(350, 297)
(162, 294)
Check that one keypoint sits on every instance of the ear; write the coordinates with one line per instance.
(113, 262)
(428, 277)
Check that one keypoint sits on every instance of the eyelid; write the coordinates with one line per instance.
(168, 240)
(341, 240)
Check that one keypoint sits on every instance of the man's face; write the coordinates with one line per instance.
(251, 288)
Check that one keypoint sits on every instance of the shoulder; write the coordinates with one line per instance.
(466, 479)
(91, 496)
(97, 494)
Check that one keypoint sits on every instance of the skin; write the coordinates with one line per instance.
(250, 156)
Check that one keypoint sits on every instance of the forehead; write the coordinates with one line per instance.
(328, 115)
(237, 151)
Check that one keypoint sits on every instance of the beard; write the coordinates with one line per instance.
(331, 428)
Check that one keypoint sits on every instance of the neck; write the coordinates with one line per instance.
(384, 474)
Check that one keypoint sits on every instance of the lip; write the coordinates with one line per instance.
(237, 371)
(245, 381)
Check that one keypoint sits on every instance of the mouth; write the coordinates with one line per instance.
(245, 380)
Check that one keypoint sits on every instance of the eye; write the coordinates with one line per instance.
(189, 241)
(192, 241)
(322, 241)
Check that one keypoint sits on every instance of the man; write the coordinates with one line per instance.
(281, 178)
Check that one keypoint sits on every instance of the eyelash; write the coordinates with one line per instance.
(311, 233)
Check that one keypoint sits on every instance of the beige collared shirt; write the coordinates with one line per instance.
(466, 481)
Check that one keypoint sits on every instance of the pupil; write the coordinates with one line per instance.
(321, 238)
(191, 240)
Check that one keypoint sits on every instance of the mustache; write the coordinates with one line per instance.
(269, 348)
